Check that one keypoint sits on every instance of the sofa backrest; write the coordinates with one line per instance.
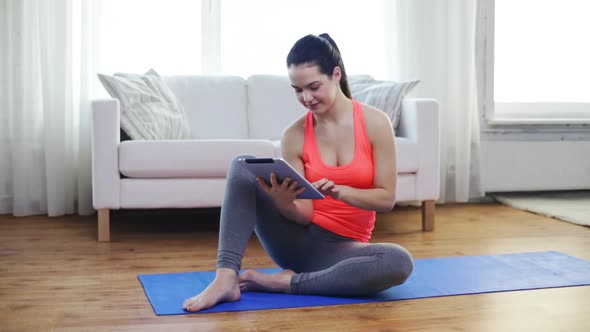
(215, 105)
(218, 107)
(272, 106)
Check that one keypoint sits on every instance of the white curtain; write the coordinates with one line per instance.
(435, 41)
(45, 67)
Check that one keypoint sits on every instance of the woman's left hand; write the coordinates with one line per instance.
(282, 193)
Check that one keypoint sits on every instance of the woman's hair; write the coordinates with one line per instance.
(322, 51)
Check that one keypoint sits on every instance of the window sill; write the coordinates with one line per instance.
(530, 120)
(539, 114)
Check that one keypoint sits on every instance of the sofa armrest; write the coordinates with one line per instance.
(105, 156)
(419, 122)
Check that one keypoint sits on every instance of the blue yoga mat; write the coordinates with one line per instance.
(432, 277)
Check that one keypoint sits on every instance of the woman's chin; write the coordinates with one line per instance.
(314, 107)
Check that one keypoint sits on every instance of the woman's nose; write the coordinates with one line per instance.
(307, 96)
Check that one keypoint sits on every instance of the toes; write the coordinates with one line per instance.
(194, 306)
(186, 306)
(243, 286)
(244, 276)
(190, 303)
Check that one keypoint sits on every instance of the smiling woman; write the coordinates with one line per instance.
(347, 151)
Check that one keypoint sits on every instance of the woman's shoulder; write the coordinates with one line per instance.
(296, 129)
(374, 117)
(293, 138)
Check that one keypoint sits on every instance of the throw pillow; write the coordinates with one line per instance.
(149, 109)
(384, 95)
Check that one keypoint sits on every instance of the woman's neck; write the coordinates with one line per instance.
(339, 112)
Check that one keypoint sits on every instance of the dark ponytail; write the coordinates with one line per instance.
(344, 79)
(322, 51)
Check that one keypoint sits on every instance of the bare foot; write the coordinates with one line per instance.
(223, 289)
(254, 281)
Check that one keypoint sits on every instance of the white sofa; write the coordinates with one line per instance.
(228, 116)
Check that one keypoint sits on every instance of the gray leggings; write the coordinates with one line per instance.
(325, 263)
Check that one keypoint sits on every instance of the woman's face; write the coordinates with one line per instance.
(314, 90)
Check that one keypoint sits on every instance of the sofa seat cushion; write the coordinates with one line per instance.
(186, 158)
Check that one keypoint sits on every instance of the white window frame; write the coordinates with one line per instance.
(543, 115)
(211, 37)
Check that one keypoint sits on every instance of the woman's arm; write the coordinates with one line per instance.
(298, 210)
(381, 198)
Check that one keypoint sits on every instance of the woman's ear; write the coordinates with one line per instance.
(336, 74)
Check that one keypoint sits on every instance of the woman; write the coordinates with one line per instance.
(347, 151)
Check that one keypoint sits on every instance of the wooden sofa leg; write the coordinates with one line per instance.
(428, 216)
(104, 227)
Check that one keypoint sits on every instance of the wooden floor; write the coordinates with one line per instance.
(54, 276)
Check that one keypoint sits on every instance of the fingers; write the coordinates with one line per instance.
(292, 185)
(263, 184)
(300, 190)
(319, 183)
(328, 186)
(324, 184)
(285, 185)
(273, 180)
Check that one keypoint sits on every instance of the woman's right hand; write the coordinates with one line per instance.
(329, 188)
(283, 194)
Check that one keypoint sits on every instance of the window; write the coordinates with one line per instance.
(136, 35)
(539, 61)
(234, 37)
(256, 35)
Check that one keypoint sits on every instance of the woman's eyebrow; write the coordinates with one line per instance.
(296, 87)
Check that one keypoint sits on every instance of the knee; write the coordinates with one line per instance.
(400, 265)
(235, 163)
(407, 265)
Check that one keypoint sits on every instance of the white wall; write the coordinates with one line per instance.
(535, 165)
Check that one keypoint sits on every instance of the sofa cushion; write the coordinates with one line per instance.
(407, 155)
(277, 147)
(149, 110)
(384, 95)
(186, 158)
(215, 105)
(272, 106)
(172, 193)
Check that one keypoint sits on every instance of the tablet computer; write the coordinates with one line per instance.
(263, 167)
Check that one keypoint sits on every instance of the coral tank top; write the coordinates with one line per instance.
(335, 215)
